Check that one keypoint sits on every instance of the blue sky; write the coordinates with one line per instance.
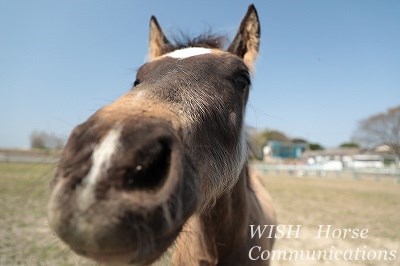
(323, 65)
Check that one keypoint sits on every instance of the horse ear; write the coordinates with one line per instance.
(157, 41)
(247, 40)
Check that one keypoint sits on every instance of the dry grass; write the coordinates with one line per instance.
(342, 203)
(26, 240)
(24, 233)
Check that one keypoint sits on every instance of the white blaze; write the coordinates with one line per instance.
(100, 163)
(189, 52)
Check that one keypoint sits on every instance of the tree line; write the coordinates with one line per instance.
(375, 130)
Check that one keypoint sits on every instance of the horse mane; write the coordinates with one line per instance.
(205, 40)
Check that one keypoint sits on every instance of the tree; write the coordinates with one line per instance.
(380, 129)
(316, 146)
(37, 141)
(299, 141)
(262, 137)
(266, 135)
(44, 140)
(349, 145)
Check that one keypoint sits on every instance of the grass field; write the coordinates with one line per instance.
(342, 203)
(26, 240)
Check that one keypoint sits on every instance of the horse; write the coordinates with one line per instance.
(166, 164)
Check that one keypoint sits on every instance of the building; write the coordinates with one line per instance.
(283, 150)
(340, 158)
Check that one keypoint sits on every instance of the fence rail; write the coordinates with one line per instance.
(306, 170)
(26, 157)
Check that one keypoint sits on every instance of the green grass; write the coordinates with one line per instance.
(25, 238)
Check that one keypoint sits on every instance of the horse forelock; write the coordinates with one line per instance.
(205, 40)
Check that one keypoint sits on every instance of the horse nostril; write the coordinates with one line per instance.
(151, 168)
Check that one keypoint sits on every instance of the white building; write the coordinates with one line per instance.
(340, 158)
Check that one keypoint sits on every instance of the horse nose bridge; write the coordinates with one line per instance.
(140, 105)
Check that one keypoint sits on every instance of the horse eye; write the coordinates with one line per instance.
(137, 82)
(242, 82)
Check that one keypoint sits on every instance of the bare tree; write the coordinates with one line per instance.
(381, 129)
(44, 140)
(37, 140)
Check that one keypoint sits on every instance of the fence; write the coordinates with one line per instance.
(17, 156)
(306, 170)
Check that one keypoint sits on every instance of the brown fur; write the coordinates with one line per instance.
(220, 236)
(167, 163)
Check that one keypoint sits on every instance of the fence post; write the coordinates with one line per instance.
(355, 175)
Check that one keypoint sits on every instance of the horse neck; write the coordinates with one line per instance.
(221, 232)
(227, 222)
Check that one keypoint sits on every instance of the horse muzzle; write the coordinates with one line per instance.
(123, 192)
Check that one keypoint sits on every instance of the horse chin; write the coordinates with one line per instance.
(133, 239)
(131, 256)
